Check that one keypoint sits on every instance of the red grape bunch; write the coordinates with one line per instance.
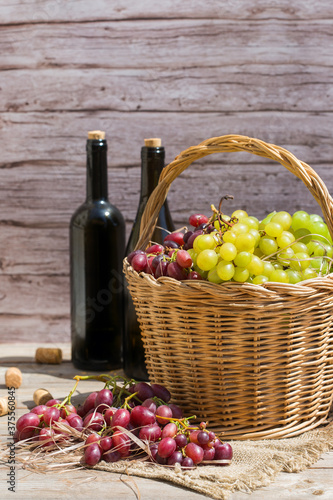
(124, 421)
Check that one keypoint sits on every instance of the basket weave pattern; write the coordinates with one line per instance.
(256, 361)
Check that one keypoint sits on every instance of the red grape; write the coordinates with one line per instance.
(155, 249)
(176, 272)
(184, 259)
(161, 269)
(92, 454)
(144, 391)
(132, 254)
(46, 436)
(203, 437)
(66, 410)
(151, 432)
(181, 440)
(121, 443)
(89, 403)
(150, 404)
(103, 400)
(51, 415)
(176, 457)
(53, 402)
(169, 430)
(166, 447)
(161, 392)
(176, 236)
(120, 417)
(94, 421)
(195, 452)
(75, 421)
(194, 275)
(108, 414)
(163, 411)
(176, 411)
(106, 443)
(209, 453)
(141, 416)
(197, 219)
(39, 410)
(139, 262)
(223, 452)
(111, 456)
(187, 463)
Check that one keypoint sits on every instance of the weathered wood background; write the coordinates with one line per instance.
(184, 71)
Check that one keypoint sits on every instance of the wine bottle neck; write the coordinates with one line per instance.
(152, 163)
(97, 176)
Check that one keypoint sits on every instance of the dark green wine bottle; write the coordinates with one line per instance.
(97, 243)
(152, 163)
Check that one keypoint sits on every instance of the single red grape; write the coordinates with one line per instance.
(155, 249)
(75, 421)
(144, 391)
(51, 415)
(94, 421)
(92, 454)
(169, 430)
(141, 416)
(161, 392)
(176, 457)
(184, 259)
(139, 262)
(166, 447)
(197, 219)
(181, 440)
(195, 452)
(223, 452)
(121, 417)
(150, 404)
(163, 411)
(176, 236)
(151, 432)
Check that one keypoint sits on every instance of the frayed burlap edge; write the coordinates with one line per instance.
(255, 464)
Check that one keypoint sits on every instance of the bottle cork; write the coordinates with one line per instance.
(155, 142)
(3, 406)
(51, 356)
(41, 396)
(13, 377)
(96, 134)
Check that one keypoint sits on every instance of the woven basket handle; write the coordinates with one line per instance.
(232, 144)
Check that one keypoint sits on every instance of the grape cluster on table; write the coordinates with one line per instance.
(110, 431)
(281, 248)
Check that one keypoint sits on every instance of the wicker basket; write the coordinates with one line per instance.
(255, 361)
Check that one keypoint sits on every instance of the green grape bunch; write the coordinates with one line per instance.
(239, 247)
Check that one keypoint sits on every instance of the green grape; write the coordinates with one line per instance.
(258, 280)
(239, 214)
(283, 218)
(277, 265)
(256, 266)
(300, 247)
(225, 270)
(320, 264)
(241, 274)
(228, 251)
(243, 259)
(302, 234)
(203, 242)
(245, 242)
(207, 259)
(267, 245)
(279, 275)
(202, 273)
(219, 224)
(256, 235)
(315, 218)
(285, 239)
(229, 236)
(240, 228)
(294, 276)
(300, 220)
(273, 229)
(285, 256)
(309, 273)
(251, 222)
(268, 268)
(213, 277)
(258, 252)
(266, 220)
(319, 249)
(301, 262)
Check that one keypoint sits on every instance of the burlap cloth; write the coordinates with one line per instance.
(255, 464)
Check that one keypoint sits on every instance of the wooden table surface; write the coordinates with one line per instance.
(316, 481)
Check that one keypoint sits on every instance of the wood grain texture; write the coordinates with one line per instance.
(183, 71)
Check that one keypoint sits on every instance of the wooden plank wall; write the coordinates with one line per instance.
(184, 71)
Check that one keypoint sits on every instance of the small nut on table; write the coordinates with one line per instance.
(13, 377)
(48, 355)
(41, 396)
